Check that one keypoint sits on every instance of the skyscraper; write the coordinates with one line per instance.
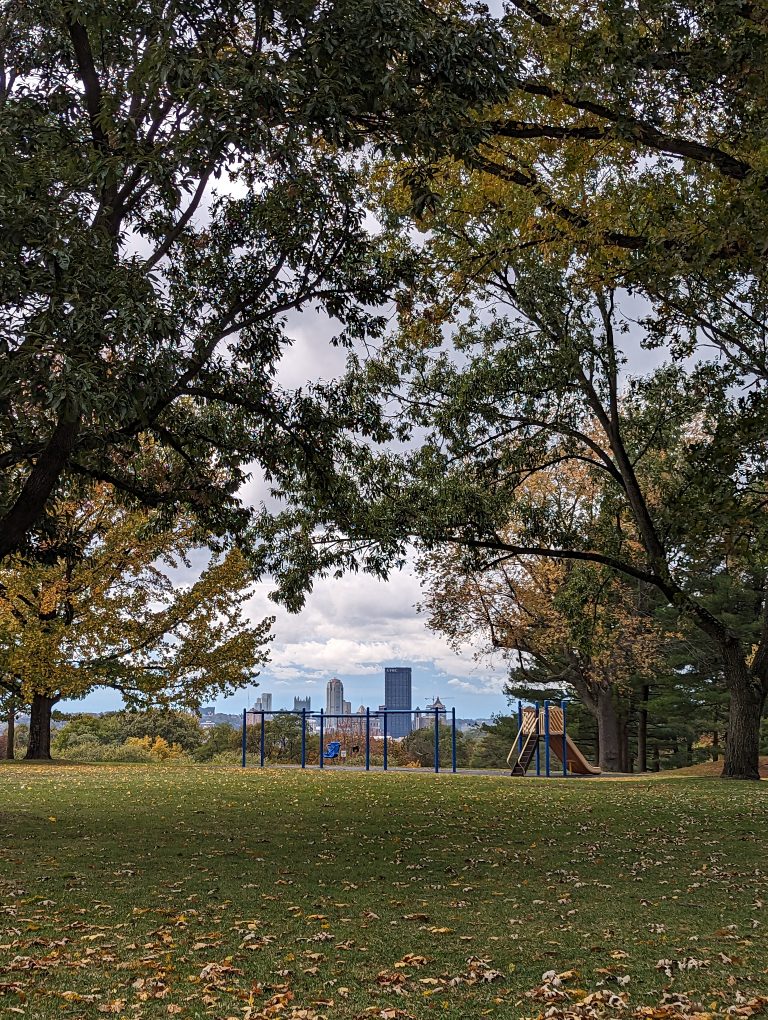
(334, 697)
(300, 704)
(397, 695)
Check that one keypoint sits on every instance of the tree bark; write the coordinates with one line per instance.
(17, 522)
(609, 731)
(10, 733)
(742, 751)
(625, 758)
(715, 745)
(642, 730)
(40, 727)
(656, 759)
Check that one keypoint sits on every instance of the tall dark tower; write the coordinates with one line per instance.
(334, 697)
(397, 695)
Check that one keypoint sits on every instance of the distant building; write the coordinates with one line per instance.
(226, 719)
(302, 704)
(346, 707)
(424, 718)
(397, 695)
(262, 704)
(334, 697)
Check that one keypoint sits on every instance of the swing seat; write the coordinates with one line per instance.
(332, 749)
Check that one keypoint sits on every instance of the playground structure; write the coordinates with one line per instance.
(357, 727)
(547, 723)
(536, 724)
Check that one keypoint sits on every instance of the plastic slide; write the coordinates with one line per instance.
(577, 763)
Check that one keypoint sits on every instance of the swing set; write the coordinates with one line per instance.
(361, 724)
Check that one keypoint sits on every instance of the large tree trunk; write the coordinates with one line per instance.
(742, 750)
(10, 733)
(40, 727)
(609, 730)
(642, 731)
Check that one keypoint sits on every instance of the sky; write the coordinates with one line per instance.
(353, 627)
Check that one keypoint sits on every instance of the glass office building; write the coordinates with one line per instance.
(397, 695)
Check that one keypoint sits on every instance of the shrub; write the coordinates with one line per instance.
(108, 753)
(158, 748)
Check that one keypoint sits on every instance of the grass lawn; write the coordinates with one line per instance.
(152, 892)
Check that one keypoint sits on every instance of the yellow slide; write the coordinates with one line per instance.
(577, 763)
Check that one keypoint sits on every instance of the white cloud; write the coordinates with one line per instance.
(488, 685)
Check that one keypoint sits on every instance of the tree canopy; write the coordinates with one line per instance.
(174, 185)
(111, 614)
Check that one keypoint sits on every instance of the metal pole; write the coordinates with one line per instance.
(546, 739)
(303, 738)
(437, 743)
(453, 738)
(261, 742)
(385, 741)
(367, 739)
(519, 727)
(321, 738)
(563, 705)
(243, 738)
(537, 732)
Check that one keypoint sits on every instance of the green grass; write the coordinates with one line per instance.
(150, 892)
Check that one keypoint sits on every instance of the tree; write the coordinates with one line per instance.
(108, 613)
(629, 140)
(182, 728)
(420, 746)
(679, 462)
(85, 728)
(574, 626)
(488, 749)
(8, 711)
(174, 186)
(218, 740)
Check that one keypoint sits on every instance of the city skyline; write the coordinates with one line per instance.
(353, 628)
(397, 691)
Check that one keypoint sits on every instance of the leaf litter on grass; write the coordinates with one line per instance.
(202, 892)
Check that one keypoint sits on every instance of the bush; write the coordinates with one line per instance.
(180, 728)
(157, 748)
(420, 746)
(220, 739)
(225, 758)
(84, 728)
(92, 752)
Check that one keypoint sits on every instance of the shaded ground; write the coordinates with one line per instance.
(206, 892)
(707, 768)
